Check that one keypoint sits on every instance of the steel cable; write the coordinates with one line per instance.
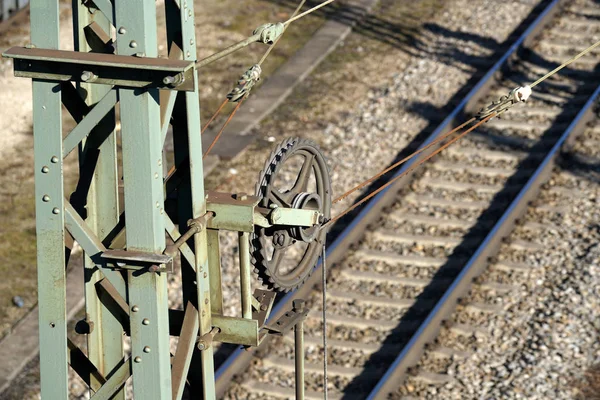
(411, 169)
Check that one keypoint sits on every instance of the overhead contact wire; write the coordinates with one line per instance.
(387, 184)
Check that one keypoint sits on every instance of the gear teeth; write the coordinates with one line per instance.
(277, 157)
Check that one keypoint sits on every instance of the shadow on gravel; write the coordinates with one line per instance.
(493, 139)
(403, 29)
(589, 385)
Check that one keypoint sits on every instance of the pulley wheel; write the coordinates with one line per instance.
(295, 176)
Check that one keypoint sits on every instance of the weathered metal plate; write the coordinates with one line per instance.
(108, 69)
(265, 298)
(236, 330)
(232, 212)
(287, 321)
(138, 260)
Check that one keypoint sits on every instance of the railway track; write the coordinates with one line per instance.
(431, 235)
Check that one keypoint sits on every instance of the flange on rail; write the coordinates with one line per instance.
(127, 258)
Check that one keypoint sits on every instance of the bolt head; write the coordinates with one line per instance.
(46, 198)
(145, 321)
(154, 268)
(55, 210)
(146, 349)
(86, 76)
(135, 309)
(122, 30)
(263, 308)
(54, 159)
(298, 304)
(133, 44)
(45, 169)
(138, 359)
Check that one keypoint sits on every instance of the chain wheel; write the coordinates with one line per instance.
(284, 257)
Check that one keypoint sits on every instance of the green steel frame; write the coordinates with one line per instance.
(122, 227)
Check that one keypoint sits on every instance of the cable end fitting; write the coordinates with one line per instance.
(522, 94)
(245, 84)
(269, 33)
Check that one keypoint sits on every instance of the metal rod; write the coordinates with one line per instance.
(227, 51)
(299, 351)
(245, 274)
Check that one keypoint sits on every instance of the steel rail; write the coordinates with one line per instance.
(239, 360)
(429, 328)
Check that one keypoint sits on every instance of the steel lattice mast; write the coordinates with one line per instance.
(124, 206)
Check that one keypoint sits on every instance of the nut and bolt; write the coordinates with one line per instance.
(87, 76)
(169, 80)
(298, 305)
(154, 268)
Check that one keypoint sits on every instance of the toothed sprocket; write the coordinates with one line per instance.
(284, 256)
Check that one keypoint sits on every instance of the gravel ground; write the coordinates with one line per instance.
(544, 344)
(417, 57)
(393, 112)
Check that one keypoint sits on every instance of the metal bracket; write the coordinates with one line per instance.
(109, 69)
(287, 321)
(195, 226)
(265, 299)
(139, 260)
(240, 213)
(205, 341)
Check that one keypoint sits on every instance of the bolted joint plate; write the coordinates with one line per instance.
(138, 260)
(288, 320)
(108, 69)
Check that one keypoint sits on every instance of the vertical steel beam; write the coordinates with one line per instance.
(299, 350)
(192, 203)
(245, 274)
(214, 266)
(143, 192)
(49, 204)
(105, 341)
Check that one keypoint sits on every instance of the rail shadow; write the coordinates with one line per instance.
(493, 139)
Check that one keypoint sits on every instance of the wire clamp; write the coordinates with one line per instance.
(245, 84)
(269, 33)
(517, 95)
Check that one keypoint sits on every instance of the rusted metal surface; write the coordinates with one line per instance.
(120, 70)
